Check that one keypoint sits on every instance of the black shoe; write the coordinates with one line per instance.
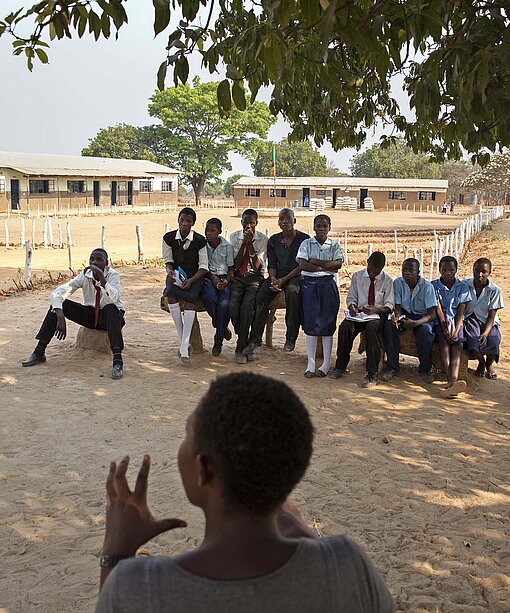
(369, 380)
(34, 359)
(250, 348)
(228, 334)
(388, 374)
(216, 350)
(117, 371)
(289, 346)
(336, 373)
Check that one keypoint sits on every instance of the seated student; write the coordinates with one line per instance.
(415, 309)
(250, 248)
(216, 287)
(319, 259)
(186, 263)
(242, 455)
(370, 293)
(452, 296)
(284, 275)
(101, 309)
(481, 323)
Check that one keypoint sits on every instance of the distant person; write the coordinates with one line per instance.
(242, 456)
(284, 275)
(452, 206)
(320, 258)
(216, 287)
(101, 310)
(415, 309)
(445, 207)
(250, 253)
(481, 322)
(186, 263)
(370, 295)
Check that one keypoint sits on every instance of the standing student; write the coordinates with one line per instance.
(250, 248)
(319, 257)
(370, 293)
(452, 296)
(284, 275)
(186, 263)
(101, 310)
(415, 309)
(216, 287)
(481, 322)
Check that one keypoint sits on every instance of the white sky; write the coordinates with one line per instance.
(90, 85)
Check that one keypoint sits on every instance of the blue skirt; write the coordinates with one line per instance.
(320, 302)
(439, 334)
(472, 330)
(191, 295)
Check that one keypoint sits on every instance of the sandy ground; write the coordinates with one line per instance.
(420, 482)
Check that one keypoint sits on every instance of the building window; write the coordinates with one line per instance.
(397, 195)
(280, 193)
(254, 192)
(76, 187)
(44, 186)
(320, 192)
(167, 186)
(146, 186)
(122, 186)
(426, 195)
(2, 185)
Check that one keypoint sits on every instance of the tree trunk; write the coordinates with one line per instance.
(197, 184)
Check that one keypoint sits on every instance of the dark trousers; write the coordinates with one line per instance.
(242, 305)
(424, 336)
(348, 331)
(110, 319)
(216, 303)
(292, 309)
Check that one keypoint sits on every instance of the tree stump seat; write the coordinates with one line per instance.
(278, 302)
(196, 340)
(91, 339)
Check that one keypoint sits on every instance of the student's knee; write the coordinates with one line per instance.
(110, 310)
(293, 290)
(373, 329)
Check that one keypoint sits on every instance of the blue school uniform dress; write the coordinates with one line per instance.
(475, 318)
(320, 299)
(414, 305)
(450, 299)
(189, 254)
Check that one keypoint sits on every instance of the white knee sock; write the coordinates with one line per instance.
(327, 348)
(188, 319)
(175, 312)
(311, 350)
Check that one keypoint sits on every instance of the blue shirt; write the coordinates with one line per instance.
(312, 249)
(221, 258)
(451, 298)
(490, 298)
(422, 298)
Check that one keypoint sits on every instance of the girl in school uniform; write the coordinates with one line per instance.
(319, 258)
(452, 296)
(481, 323)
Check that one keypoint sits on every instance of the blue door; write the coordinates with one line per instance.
(130, 192)
(14, 194)
(363, 193)
(97, 193)
(114, 193)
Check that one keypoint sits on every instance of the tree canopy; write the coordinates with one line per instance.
(292, 160)
(228, 185)
(125, 141)
(495, 177)
(329, 62)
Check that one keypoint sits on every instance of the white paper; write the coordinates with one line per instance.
(361, 316)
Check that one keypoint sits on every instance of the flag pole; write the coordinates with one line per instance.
(273, 172)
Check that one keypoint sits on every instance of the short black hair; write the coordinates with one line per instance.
(101, 250)
(251, 213)
(214, 221)
(448, 259)
(377, 259)
(187, 210)
(322, 216)
(481, 261)
(259, 434)
(411, 262)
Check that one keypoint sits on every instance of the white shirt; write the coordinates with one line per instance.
(168, 256)
(312, 249)
(110, 293)
(259, 244)
(360, 284)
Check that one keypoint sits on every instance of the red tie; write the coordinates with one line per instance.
(371, 293)
(97, 305)
(244, 264)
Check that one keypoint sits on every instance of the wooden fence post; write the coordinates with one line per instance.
(27, 273)
(369, 249)
(33, 231)
(45, 233)
(396, 247)
(432, 254)
(6, 234)
(21, 232)
(139, 240)
(69, 246)
(60, 239)
(346, 251)
(50, 232)
(103, 237)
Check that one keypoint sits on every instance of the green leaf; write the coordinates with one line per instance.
(162, 76)
(224, 98)
(182, 69)
(161, 15)
(239, 96)
(43, 57)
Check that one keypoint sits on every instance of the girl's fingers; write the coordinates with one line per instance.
(110, 487)
(120, 481)
(142, 479)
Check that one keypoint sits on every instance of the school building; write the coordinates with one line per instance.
(265, 192)
(62, 181)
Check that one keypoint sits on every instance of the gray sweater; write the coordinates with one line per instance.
(323, 576)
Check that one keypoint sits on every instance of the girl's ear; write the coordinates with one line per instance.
(205, 469)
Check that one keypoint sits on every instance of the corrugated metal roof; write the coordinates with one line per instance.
(342, 182)
(43, 164)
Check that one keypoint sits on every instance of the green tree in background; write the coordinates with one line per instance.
(455, 173)
(494, 178)
(197, 139)
(228, 185)
(397, 161)
(292, 160)
(125, 141)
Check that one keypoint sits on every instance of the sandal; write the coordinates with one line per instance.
(491, 375)
(477, 373)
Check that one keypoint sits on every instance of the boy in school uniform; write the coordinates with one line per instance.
(415, 309)
(250, 249)
(216, 287)
(481, 322)
(102, 309)
(370, 294)
(186, 263)
(284, 275)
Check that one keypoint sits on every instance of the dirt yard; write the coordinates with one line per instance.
(420, 482)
